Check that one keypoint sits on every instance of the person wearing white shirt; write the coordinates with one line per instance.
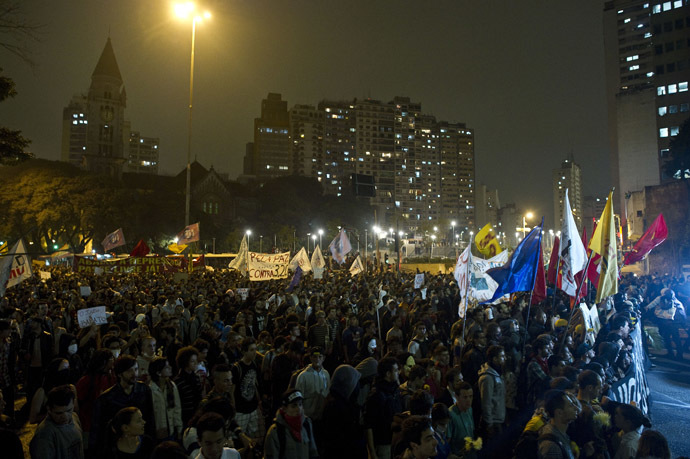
(211, 437)
(313, 383)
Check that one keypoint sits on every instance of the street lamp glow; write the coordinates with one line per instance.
(248, 232)
(183, 10)
(452, 223)
(529, 215)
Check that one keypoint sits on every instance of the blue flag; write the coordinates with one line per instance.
(295, 279)
(518, 274)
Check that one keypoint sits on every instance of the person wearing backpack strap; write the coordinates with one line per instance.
(553, 442)
(291, 435)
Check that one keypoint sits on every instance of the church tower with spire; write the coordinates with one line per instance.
(95, 134)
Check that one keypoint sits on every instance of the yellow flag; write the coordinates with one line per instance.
(603, 242)
(486, 242)
(177, 248)
(4, 247)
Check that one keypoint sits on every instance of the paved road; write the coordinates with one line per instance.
(669, 383)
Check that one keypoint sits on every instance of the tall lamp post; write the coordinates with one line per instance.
(184, 11)
(248, 233)
(320, 234)
(452, 225)
(527, 216)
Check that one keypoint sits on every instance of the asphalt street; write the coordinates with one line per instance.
(669, 383)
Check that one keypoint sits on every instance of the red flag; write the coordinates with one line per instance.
(593, 270)
(539, 293)
(140, 250)
(552, 274)
(655, 235)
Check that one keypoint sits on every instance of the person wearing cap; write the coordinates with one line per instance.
(291, 435)
(313, 383)
(584, 354)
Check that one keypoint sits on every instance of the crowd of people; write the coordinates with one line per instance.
(339, 367)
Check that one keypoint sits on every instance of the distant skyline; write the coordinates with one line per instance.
(527, 77)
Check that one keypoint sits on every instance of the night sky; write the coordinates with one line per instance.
(527, 76)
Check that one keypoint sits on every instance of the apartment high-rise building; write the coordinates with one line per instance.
(271, 155)
(95, 134)
(568, 176)
(423, 169)
(647, 73)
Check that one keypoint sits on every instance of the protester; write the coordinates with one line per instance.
(151, 306)
(291, 434)
(59, 435)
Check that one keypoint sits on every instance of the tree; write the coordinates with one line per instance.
(16, 31)
(13, 146)
(678, 165)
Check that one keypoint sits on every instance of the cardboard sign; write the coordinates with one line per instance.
(85, 291)
(243, 293)
(267, 266)
(418, 280)
(45, 275)
(91, 316)
(318, 272)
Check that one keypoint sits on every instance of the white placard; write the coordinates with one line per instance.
(423, 292)
(243, 293)
(318, 272)
(45, 275)
(85, 290)
(91, 316)
(418, 280)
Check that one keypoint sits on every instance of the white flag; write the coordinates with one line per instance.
(240, 261)
(340, 247)
(301, 259)
(15, 267)
(317, 260)
(462, 267)
(483, 286)
(573, 254)
(356, 267)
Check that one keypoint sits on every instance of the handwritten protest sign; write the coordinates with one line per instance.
(85, 291)
(418, 280)
(266, 266)
(91, 316)
(243, 293)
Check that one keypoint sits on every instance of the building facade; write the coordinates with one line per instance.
(647, 74)
(423, 168)
(271, 147)
(567, 177)
(95, 134)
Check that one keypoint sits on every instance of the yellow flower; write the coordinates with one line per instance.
(473, 445)
(603, 418)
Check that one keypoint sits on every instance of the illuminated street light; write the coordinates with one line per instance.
(320, 234)
(185, 11)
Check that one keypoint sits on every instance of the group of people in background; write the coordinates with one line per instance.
(339, 367)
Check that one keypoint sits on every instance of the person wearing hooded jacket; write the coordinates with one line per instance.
(493, 391)
(344, 437)
(292, 434)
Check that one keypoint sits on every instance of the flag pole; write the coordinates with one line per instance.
(555, 285)
(465, 300)
(577, 296)
(534, 279)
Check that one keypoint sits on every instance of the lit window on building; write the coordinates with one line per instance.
(663, 132)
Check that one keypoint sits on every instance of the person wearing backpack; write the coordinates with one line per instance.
(291, 436)
(553, 441)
